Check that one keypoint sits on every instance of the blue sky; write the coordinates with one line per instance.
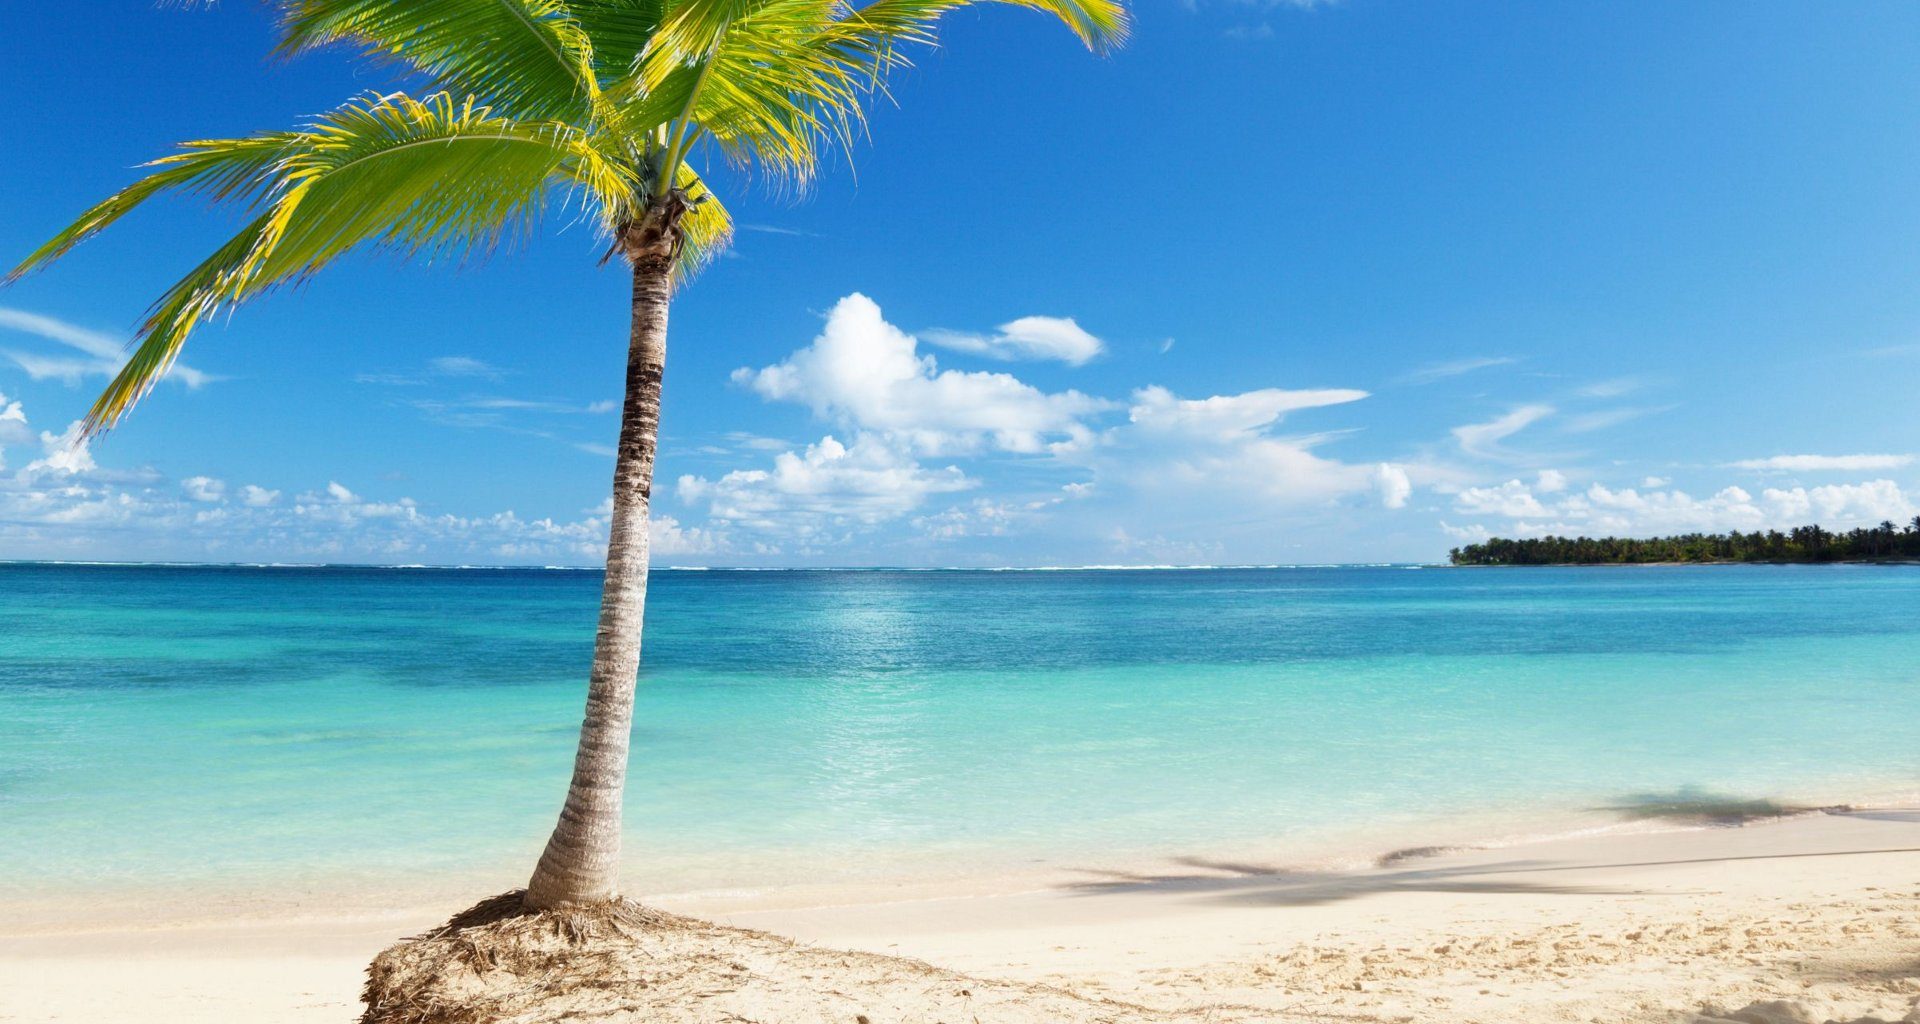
(1277, 282)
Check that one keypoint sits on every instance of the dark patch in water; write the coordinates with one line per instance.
(1389, 859)
(1701, 807)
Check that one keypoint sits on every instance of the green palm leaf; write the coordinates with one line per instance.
(432, 177)
(529, 58)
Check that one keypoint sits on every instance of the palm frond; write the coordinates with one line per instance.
(431, 177)
(191, 300)
(226, 169)
(783, 77)
(619, 31)
(527, 58)
(1101, 24)
(705, 231)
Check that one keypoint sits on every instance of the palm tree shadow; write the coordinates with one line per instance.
(1258, 885)
(1699, 806)
(1247, 884)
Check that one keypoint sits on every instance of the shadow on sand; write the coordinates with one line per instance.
(1258, 885)
(1254, 885)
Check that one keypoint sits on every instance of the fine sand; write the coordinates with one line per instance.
(1806, 919)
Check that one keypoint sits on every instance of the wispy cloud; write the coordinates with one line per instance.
(774, 229)
(1452, 368)
(103, 353)
(1811, 463)
(465, 366)
(1601, 419)
(1613, 388)
(1483, 439)
(458, 367)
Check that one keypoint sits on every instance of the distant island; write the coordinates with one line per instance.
(1885, 542)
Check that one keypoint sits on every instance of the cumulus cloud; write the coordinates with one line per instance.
(255, 496)
(1631, 511)
(204, 489)
(829, 485)
(1030, 337)
(1814, 463)
(1483, 439)
(1195, 457)
(1210, 453)
(667, 538)
(101, 355)
(1394, 485)
(62, 505)
(1512, 499)
(65, 454)
(869, 376)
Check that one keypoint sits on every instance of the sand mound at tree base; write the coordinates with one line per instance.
(619, 962)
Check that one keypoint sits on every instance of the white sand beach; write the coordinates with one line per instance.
(1811, 918)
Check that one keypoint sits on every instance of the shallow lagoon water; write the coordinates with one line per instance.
(236, 727)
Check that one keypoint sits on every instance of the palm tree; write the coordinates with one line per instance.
(522, 103)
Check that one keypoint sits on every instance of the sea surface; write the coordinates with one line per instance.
(296, 729)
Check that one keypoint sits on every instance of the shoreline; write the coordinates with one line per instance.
(903, 874)
(1358, 941)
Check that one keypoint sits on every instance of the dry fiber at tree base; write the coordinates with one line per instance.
(624, 962)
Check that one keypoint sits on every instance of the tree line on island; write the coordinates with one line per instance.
(1801, 544)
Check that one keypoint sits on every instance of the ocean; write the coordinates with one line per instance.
(310, 730)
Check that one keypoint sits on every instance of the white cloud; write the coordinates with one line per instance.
(1200, 459)
(105, 352)
(1030, 337)
(867, 374)
(1440, 371)
(1550, 481)
(13, 425)
(667, 538)
(1512, 499)
(1813, 463)
(829, 485)
(1395, 487)
(1226, 417)
(465, 366)
(1587, 422)
(1471, 532)
(1613, 388)
(982, 518)
(66, 453)
(1842, 504)
(204, 489)
(64, 506)
(1483, 439)
(1656, 481)
(255, 496)
(1600, 510)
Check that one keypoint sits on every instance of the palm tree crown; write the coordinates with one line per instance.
(523, 103)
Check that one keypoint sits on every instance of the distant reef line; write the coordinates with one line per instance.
(1883, 543)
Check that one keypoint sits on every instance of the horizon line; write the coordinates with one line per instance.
(109, 563)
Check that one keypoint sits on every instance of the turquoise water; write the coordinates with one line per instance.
(174, 726)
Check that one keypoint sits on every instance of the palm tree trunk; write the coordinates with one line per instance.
(582, 860)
